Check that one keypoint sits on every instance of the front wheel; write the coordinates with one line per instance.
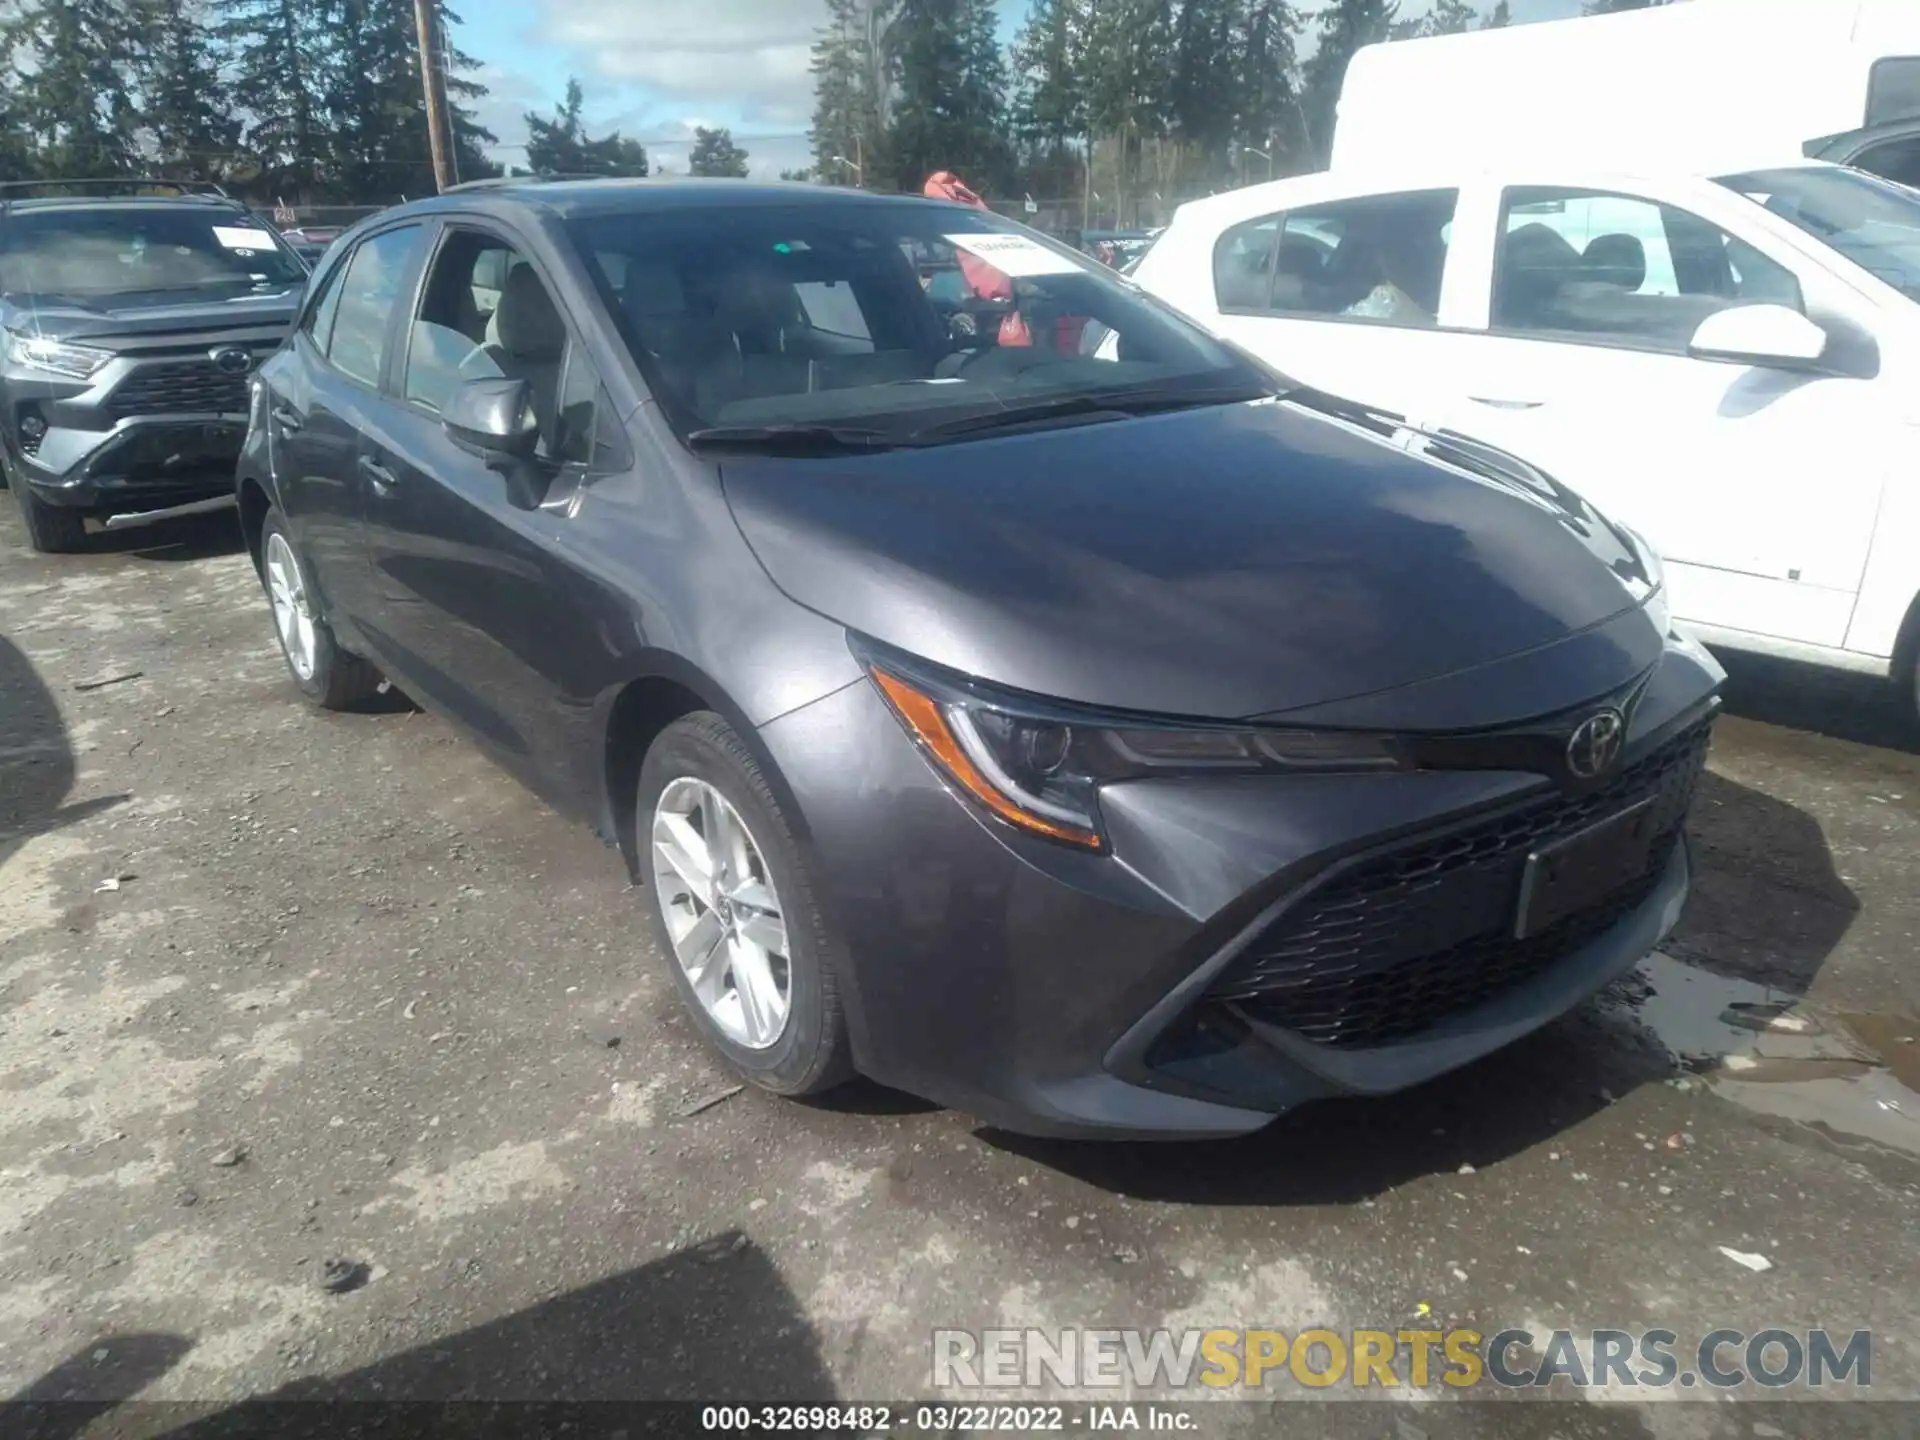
(748, 946)
(51, 529)
(330, 677)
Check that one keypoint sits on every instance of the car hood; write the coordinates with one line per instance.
(112, 317)
(1229, 562)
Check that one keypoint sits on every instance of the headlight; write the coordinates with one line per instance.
(76, 362)
(1040, 768)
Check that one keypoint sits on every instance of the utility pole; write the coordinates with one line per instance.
(439, 128)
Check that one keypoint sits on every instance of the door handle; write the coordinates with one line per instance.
(1499, 404)
(382, 478)
(286, 419)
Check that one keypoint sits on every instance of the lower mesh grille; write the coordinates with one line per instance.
(1401, 941)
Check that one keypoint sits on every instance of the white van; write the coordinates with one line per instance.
(1707, 87)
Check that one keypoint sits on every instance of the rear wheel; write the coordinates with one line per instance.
(747, 945)
(326, 674)
(51, 529)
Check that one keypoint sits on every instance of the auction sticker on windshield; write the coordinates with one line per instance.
(1015, 255)
(238, 237)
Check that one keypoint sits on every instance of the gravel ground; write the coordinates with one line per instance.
(280, 989)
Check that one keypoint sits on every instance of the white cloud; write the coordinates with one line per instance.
(749, 55)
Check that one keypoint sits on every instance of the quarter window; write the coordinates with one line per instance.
(1378, 257)
(319, 322)
(1622, 269)
(369, 291)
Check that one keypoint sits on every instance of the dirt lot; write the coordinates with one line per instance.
(279, 988)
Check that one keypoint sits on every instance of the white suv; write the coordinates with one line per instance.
(1731, 365)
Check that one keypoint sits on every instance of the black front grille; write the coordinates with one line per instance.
(1400, 941)
(179, 387)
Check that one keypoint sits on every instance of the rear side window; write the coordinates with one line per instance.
(1621, 269)
(1893, 90)
(1377, 257)
(369, 291)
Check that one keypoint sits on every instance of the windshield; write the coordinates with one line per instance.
(1873, 222)
(140, 249)
(883, 318)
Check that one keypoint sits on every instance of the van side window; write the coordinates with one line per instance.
(1378, 257)
(1620, 269)
(1893, 90)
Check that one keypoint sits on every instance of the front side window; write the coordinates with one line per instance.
(1379, 257)
(888, 316)
(1870, 221)
(1622, 269)
(486, 314)
(369, 291)
(1895, 160)
(125, 250)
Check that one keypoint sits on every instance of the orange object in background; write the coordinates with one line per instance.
(983, 279)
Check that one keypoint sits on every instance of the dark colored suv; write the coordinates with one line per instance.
(132, 318)
(1106, 740)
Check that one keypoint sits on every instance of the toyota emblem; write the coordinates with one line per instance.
(1595, 746)
(232, 359)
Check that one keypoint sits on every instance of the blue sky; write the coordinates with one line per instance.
(657, 68)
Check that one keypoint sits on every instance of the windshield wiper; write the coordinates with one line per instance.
(792, 439)
(1117, 405)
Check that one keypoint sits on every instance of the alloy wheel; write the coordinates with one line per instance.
(292, 613)
(722, 913)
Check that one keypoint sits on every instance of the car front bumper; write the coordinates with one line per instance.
(140, 464)
(1051, 991)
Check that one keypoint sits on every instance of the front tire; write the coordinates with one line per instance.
(734, 907)
(51, 529)
(330, 677)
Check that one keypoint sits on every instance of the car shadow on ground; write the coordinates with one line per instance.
(713, 1321)
(37, 765)
(1768, 906)
(1862, 708)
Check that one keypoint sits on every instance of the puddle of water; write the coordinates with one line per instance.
(1855, 1075)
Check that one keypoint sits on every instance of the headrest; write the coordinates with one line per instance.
(1617, 260)
(526, 324)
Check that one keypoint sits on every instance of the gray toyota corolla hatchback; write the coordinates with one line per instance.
(1014, 695)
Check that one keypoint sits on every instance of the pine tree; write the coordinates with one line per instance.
(714, 154)
(1268, 90)
(561, 146)
(1345, 26)
(951, 86)
(1613, 7)
(377, 114)
(78, 99)
(1049, 111)
(1447, 17)
(1204, 99)
(276, 51)
(191, 129)
(850, 88)
(1498, 18)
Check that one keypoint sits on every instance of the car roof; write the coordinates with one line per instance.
(38, 204)
(574, 198)
(1255, 201)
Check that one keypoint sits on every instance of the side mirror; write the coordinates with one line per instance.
(1759, 335)
(494, 416)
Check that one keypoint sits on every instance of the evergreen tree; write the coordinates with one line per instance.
(1049, 113)
(1498, 18)
(191, 130)
(1268, 90)
(850, 88)
(1447, 17)
(714, 154)
(561, 146)
(950, 110)
(77, 100)
(1204, 99)
(1345, 26)
(276, 54)
(1611, 7)
(381, 148)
